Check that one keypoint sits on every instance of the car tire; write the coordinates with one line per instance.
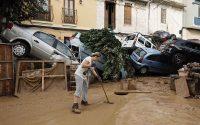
(20, 49)
(143, 70)
(178, 59)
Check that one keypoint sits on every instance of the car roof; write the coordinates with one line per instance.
(151, 51)
(196, 41)
(30, 30)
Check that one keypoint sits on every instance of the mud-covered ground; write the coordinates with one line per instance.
(53, 107)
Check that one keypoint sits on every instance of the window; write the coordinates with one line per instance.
(198, 1)
(127, 13)
(199, 11)
(163, 15)
(159, 58)
(46, 15)
(154, 58)
(141, 40)
(132, 37)
(63, 49)
(69, 7)
(140, 52)
(69, 12)
(193, 46)
(147, 44)
(45, 38)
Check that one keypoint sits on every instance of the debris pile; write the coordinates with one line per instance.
(192, 72)
(193, 78)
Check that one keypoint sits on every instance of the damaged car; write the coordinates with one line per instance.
(29, 41)
(183, 51)
(137, 40)
(147, 60)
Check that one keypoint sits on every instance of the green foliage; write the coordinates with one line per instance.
(20, 10)
(104, 41)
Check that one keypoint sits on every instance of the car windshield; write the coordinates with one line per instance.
(131, 37)
(140, 52)
(45, 38)
(63, 49)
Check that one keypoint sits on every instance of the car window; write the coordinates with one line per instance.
(63, 49)
(131, 37)
(140, 52)
(45, 38)
(147, 44)
(159, 58)
(193, 46)
(141, 40)
(154, 58)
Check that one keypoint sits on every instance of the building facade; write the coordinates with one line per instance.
(65, 17)
(145, 16)
(191, 22)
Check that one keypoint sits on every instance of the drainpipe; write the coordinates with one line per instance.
(149, 12)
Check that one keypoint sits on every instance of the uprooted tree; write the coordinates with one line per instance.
(104, 41)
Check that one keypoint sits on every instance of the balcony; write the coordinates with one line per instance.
(44, 16)
(197, 21)
(69, 16)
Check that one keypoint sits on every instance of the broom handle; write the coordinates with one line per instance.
(102, 86)
(104, 92)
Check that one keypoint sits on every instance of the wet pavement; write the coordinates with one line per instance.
(53, 107)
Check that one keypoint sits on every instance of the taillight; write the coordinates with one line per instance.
(140, 59)
(10, 26)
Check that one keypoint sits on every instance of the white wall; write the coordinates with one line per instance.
(100, 14)
(174, 19)
(190, 34)
(140, 18)
(190, 11)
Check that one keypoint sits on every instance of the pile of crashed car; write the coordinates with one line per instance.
(166, 58)
(160, 53)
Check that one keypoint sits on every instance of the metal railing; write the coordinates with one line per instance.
(44, 16)
(69, 16)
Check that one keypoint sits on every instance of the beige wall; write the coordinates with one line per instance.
(86, 18)
(190, 34)
(87, 13)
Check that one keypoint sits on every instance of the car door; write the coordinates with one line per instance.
(140, 41)
(154, 63)
(42, 45)
(193, 51)
(62, 49)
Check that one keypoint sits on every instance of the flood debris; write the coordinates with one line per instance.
(189, 75)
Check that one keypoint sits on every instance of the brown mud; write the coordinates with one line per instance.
(53, 107)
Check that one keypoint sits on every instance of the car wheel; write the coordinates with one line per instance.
(143, 70)
(20, 49)
(178, 59)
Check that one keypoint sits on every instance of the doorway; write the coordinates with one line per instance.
(109, 15)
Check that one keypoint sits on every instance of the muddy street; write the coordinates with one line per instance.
(53, 107)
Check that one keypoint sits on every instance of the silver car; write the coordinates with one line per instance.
(137, 40)
(39, 44)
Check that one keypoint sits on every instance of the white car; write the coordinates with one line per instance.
(137, 40)
(39, 44)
